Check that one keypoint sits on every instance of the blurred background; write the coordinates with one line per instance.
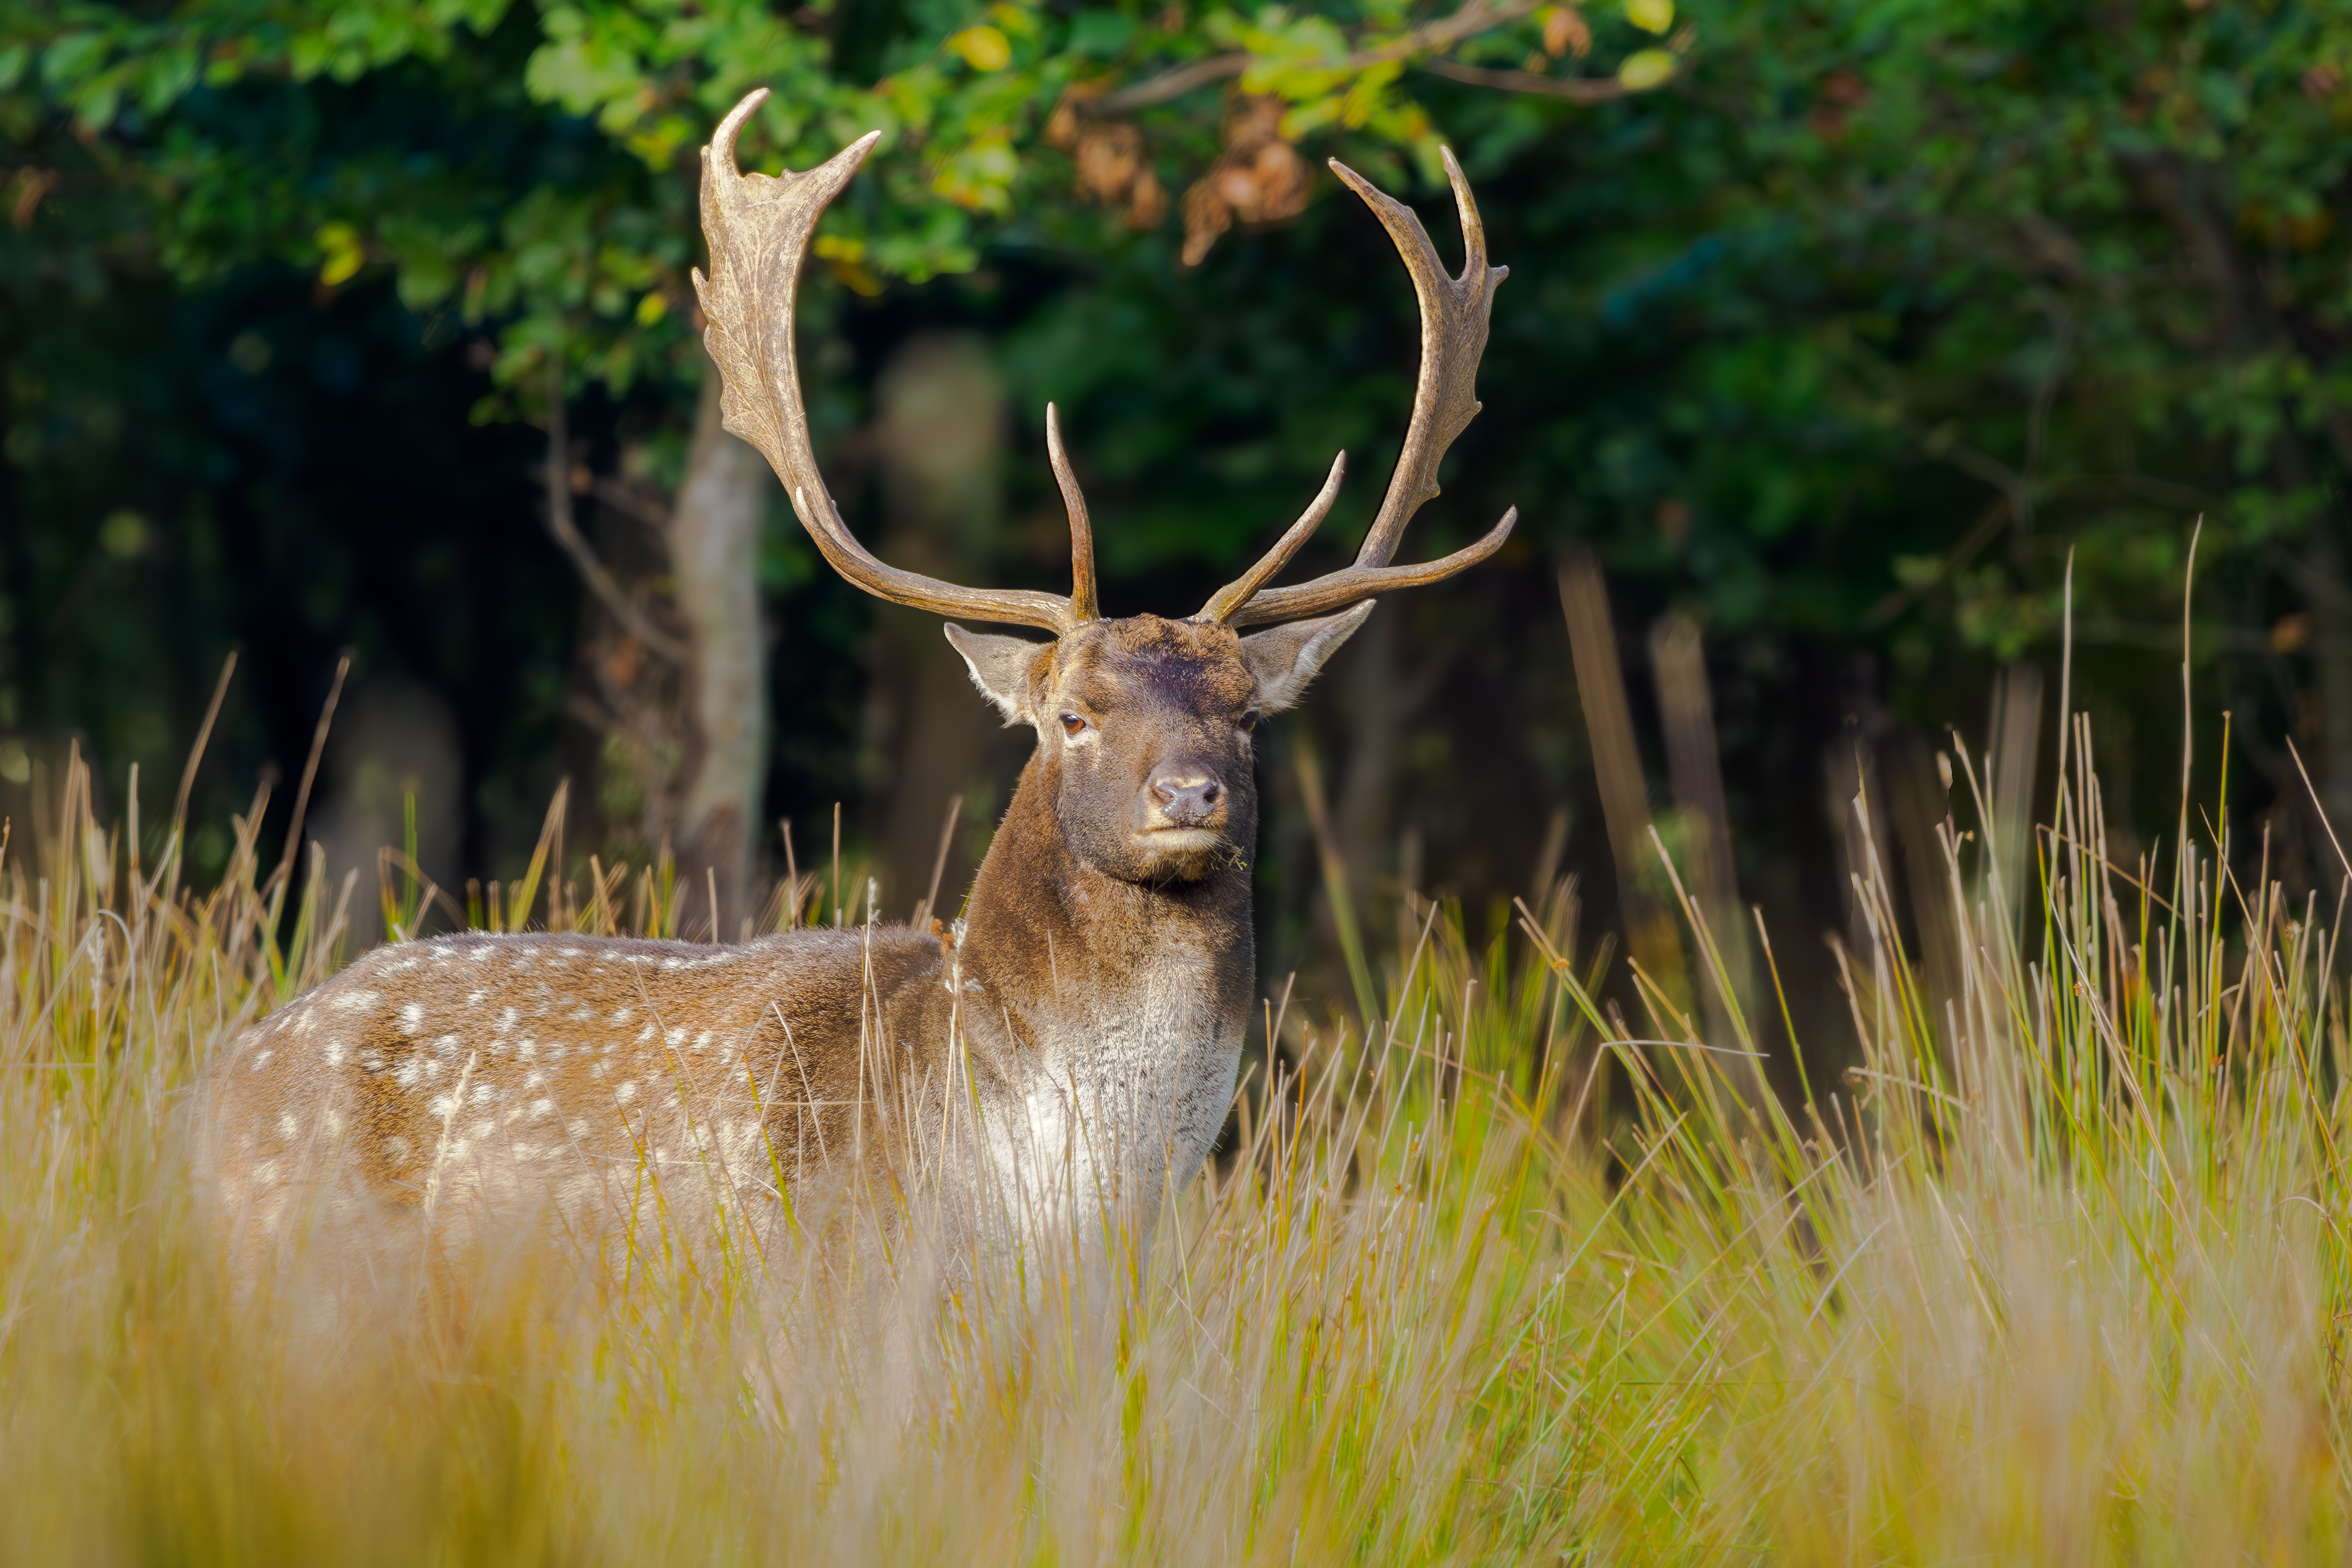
(1839, 339)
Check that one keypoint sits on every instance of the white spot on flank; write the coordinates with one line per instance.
(258, 1059)
(336, 1052)
(626, 1092)
(285, 1126)
(675, 1038)
(412, 1018)
(623, 1014)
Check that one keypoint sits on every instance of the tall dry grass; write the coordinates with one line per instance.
(2055, 1274)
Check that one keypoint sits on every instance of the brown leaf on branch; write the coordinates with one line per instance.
(1147, 201)
(32, 183)
(1260, 178)
(1108, 157)
(1114, 165)
(1062, 125)
(1841, 93)
(1565, 32)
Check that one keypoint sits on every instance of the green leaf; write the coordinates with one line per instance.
(1647, 69)
(983, 49)
(1651, 16)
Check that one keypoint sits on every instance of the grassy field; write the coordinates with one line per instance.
(2057, 1274)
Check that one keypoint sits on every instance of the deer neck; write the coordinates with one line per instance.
(1079, 961)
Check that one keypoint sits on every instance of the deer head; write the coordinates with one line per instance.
(1144, 722)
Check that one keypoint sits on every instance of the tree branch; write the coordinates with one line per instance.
(1576, 89)
(567, 533)
(1473, 19)
(1168, 84)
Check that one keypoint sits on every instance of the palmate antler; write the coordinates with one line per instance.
(759, 230)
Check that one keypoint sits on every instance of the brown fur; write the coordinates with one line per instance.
(1084, 1025)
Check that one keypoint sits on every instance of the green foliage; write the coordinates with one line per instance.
(223, 110)
(1881, 253)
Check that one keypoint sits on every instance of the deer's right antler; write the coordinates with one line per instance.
(759, 230)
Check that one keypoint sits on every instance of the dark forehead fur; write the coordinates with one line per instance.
(1186, 661)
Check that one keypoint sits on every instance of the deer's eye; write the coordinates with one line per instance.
(1073, 726)
(1247, 722)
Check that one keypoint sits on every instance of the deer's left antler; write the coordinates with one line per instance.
(1453, 317)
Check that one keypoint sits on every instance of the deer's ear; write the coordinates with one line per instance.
(1286, 659)
(1004, 669)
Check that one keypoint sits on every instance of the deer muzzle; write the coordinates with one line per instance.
(1185, 797)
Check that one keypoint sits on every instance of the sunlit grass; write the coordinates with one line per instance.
(2055, 1275)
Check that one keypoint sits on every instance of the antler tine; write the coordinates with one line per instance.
(1342, 588)
(1453, 317)
(1239, 592)
(759, 230)
(1083, 603)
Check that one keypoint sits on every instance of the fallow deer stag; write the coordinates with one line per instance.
(1086, 1018)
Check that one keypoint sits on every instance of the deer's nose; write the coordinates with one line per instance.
(1188, 795)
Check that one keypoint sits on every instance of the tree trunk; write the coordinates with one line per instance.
(939, 436)
(714, 546)
(2331, 656)
(1694, 765)
(1617, 765)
